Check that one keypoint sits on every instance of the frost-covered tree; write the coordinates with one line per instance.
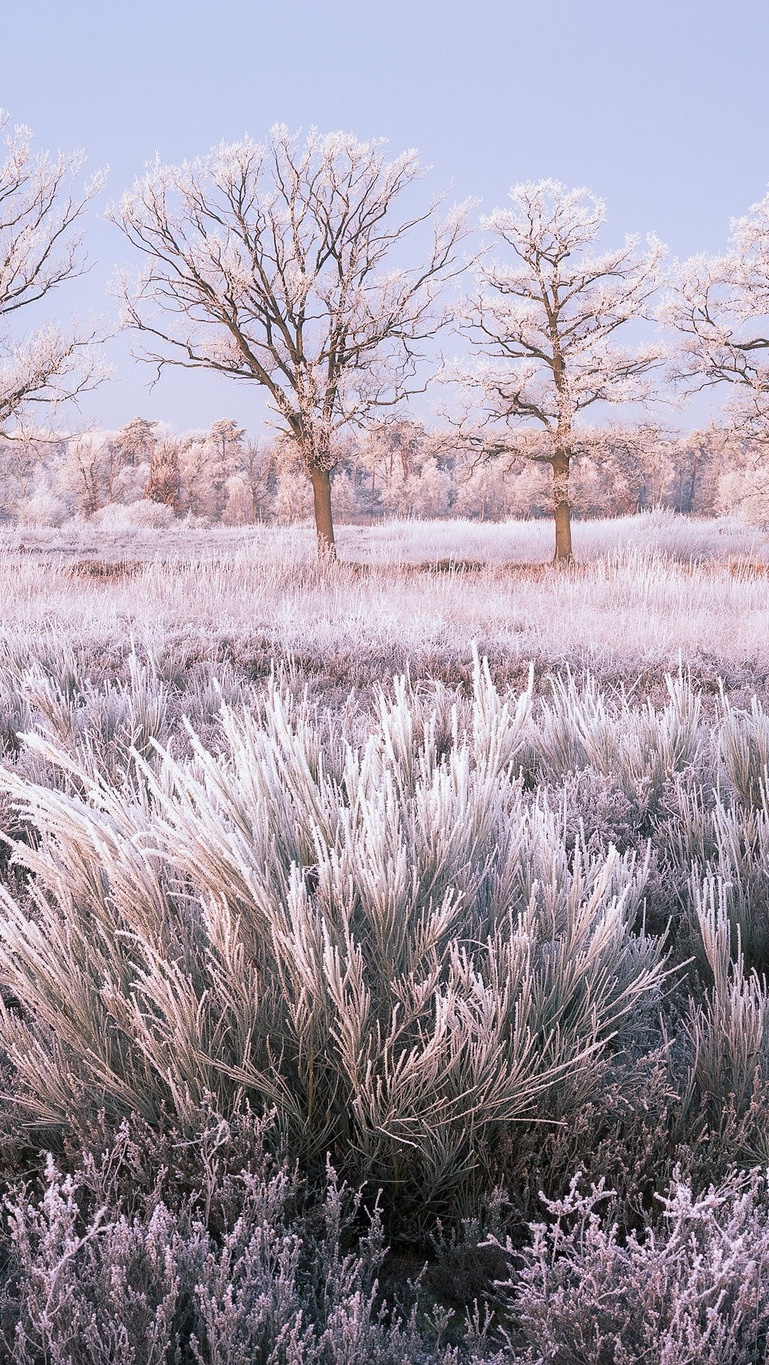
(387, 462)
(91, 463)
(700, 459)
(136, 440)
(227, 437)
(226, 441)
(208, 460)
(41, 203)
(282, 263)
(163, 482)
(719, 307)
(200, 476)
(250, 486)
(544, 326)
(737, 474)
(621, 469)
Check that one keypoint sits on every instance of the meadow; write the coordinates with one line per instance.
(646, 592)
(383, 945)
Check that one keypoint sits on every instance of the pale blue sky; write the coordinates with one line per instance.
(659, 105)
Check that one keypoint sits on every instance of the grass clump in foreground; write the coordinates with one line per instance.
(475, 973)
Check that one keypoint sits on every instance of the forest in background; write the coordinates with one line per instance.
(148, 475)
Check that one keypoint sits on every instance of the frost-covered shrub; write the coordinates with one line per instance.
(390, 944)
(107, 727)
(729, 1028)
(408, 923)
(596, 810)
(145, 514)
(639, 747)
(628, 1131)
(43, 508)
(744, 751)
(239, 1266)
(693, 1290)
(708, 839)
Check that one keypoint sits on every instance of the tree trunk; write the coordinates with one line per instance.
(562, 507)
(324, 522)
(693, 483)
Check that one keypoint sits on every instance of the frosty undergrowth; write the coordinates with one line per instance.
(450, 940)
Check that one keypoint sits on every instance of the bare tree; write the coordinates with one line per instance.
(40, 248)
(544, 325)
(280, 263)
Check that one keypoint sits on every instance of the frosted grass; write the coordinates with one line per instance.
(531, 542)
(390, 944)
(630, 604)
(408, 540)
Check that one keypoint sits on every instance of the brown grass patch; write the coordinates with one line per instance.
(106, 568)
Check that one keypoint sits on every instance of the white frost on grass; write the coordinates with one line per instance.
(645, 591)
(531, 542)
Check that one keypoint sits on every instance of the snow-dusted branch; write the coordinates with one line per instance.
(719, 306)
(41, 205)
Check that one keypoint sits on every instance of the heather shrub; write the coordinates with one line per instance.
(596, 811)
(239, 1266)
(690, 1291)
(630, 1131)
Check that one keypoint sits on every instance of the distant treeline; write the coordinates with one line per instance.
(145, 473)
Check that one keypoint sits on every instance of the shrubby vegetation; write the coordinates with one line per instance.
(468, 969)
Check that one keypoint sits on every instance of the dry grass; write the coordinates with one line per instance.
(647, 592)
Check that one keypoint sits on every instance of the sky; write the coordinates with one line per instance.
(660, 106)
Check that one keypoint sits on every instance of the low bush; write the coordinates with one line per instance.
(691, 1291)
(388, 944)
(230, 1266)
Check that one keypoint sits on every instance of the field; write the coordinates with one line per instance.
(383, 945)
(647, 592)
